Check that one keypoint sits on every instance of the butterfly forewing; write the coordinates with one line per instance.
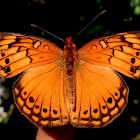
(120, 52)
(20, 52)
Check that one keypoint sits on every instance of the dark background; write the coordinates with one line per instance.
(66, 18)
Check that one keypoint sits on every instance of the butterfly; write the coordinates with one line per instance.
(81, 87)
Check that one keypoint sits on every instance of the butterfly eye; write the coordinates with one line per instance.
(73, 45)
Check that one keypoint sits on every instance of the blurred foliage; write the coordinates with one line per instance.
(8, 114)
(95, 29)
(98, 1)
(137, 137)
(4, 96)
(129, 19)
(136, 5)
(43, 2)
(82, 19)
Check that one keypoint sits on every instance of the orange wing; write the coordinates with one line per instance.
(39, 95)
(20, 52)
(101, 95)
(120, 52)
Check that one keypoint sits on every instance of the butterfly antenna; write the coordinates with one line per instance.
(91, 22)
(33, 25)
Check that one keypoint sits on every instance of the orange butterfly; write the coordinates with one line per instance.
(77, 87)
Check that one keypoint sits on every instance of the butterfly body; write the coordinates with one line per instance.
(77, 87)
(70, 73)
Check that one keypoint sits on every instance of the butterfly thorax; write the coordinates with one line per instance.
(70, 56)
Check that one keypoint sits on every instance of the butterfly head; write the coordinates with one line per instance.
(69, 43)
(69, 40)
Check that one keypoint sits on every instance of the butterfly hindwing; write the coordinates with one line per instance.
(39, 96)
(101, 95)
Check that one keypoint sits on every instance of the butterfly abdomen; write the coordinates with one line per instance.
(69, 52)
